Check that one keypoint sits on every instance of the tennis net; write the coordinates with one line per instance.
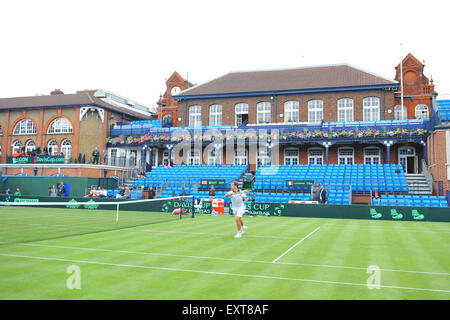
(26, 221)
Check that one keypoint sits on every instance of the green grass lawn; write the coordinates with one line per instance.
(277, 258)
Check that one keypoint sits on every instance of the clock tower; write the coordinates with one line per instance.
(167, 106)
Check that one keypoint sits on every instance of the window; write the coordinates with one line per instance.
(345, 156)
(16, 146)
(400, 112)
(30, 146)
(195, 116)
(263, 110)
(422, 111)
(262, 157)
(194, 157)
(166, 157)
(52, 147)
(291, 111)
(315, 156)
(66, 148)
(345, 109)
(371, 109)
(60, 125)
(371, 156)
(241, 113)
(291, 156)
(215, 115)
(240, 156)
(25, 126)
(214, 156)
(315, 111)
(1, 131)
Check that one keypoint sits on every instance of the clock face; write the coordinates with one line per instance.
(175, 90)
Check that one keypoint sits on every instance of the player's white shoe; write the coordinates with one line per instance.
(243, 229)
(238, 235)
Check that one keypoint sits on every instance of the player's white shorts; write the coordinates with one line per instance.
(240, 212)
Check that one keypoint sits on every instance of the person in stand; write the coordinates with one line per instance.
(8, 191)
(17, 193)
(61, 189)
(212, 192)
(376, 195)
(105, 155)
(322, 195)
(121, 192)
(127, 193)
(95, 155)
(53, 191)
(151, 193)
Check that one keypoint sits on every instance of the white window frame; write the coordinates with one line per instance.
(263, 112)
(262, 157)
(421, 111)
(369, 158)
(213, 157)
(400, 112)
(30, 145)
(314, 157)
(344, 156)
(215, 115)
(371, 109)
(291, 111)
(315, 111)
(345, 109)
(195, 116)
(52, 147)
(240, 156)
(24, 127)
(60, 125)
(16, 146)
(291, 156)
(239, 110)
(66, 148)
(165, 157)
(194, 157)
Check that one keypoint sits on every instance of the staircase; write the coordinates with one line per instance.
(418, 184)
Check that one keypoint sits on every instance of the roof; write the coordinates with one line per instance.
(79, 98)
(285, 81)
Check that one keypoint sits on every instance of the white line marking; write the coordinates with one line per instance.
(300, 241)
(220, 259)
(218, 273)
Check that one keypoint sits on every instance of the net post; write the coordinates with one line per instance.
(117, 213)
(193, 206)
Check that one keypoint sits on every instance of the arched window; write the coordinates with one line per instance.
(400, 112)
(422, 111)
(16, 146)
(24, 126)
(166, 121)
(241, 113)
(215, 115)
(263, 112)
(60, 125)
(371, 109)
(52, 147)
(195, 116)
(66, 148)
(315, 111)
(30, 146)
(291, 111)
(345, 109)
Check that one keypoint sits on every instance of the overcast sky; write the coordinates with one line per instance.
(131, 47)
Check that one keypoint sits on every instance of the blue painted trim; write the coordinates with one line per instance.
(284, 92)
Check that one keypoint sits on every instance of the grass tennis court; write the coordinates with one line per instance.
(277, 258)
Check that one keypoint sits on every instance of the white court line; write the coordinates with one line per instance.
(218, 258)
(300, 241)
(218, 273)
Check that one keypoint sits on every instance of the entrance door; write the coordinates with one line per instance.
(408, 159)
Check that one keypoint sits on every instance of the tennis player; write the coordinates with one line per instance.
(237, 200)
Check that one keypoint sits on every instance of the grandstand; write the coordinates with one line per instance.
(444, 109)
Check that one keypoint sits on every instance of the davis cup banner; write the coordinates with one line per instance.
(39, 159)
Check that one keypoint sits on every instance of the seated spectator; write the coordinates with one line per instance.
(142, 174)
(121, 193)
(8, 191)
(93, 193)
(127, 193)
(376, 195)
(102, 193)
(53, 191)
(151, 193)
(17, 193)
(61, 189)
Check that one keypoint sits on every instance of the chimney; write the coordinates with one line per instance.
(57, 91)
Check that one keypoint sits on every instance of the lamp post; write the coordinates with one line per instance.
(388, 144)
(170, 147)
(327, 145)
